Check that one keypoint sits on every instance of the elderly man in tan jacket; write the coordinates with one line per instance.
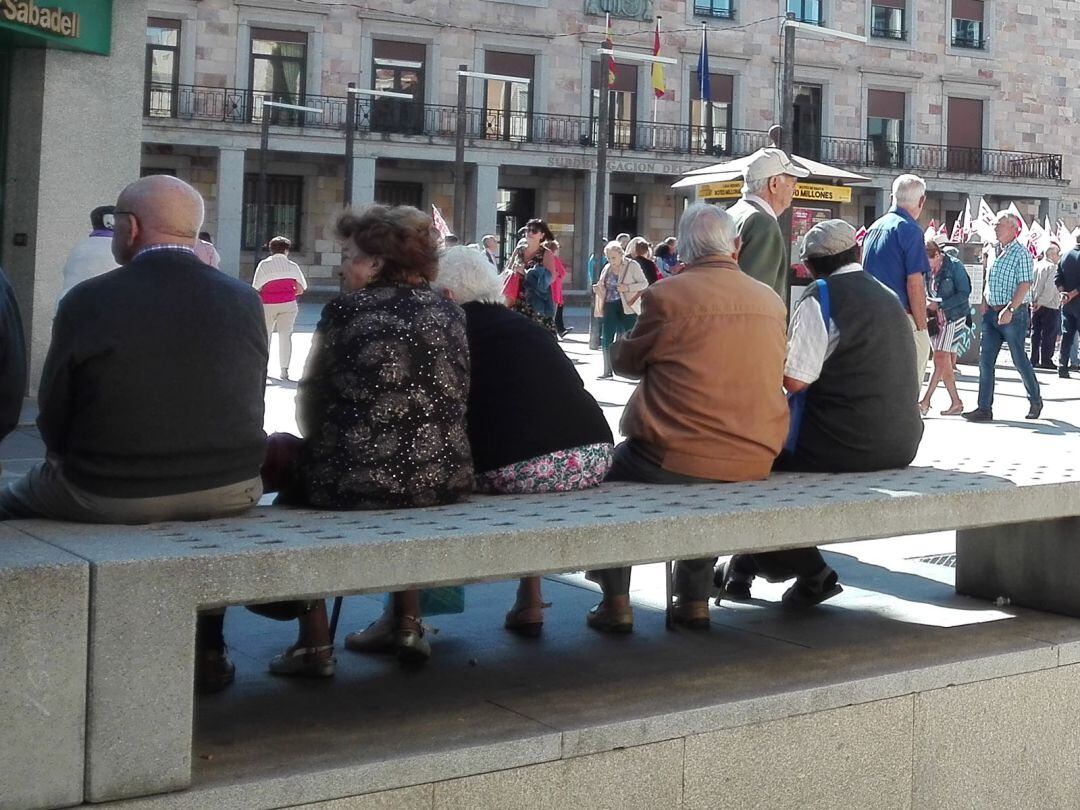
(709, 350)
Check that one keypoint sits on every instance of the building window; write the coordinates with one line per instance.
(388, 192)
(724, 9)
(398, 67)
(967, 24)
(806, 121)
(278, 73)
(283, 212)
(887, 19)
(964, 135)
(885, 128)
(807, 11)
(721, 89)
(508, 104)
(162, 67)
(622, 105)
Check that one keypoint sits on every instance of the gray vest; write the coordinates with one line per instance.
(862, 412)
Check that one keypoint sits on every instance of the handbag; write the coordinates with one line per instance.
(797, 402)
(933, 326)
(511, 288)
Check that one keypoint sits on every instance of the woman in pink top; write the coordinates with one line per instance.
(279, 281)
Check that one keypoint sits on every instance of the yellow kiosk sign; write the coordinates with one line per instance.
(803, 191)
(81, 25)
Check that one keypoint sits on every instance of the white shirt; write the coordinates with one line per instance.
(275, 267)
(756, 199)
(90, 258)
(809, 343)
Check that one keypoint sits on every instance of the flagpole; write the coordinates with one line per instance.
(655, 98)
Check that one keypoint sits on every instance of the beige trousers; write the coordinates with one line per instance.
(282, 316)
(45, 492)
(922, 351)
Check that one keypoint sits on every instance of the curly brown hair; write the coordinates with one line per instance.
(402, 236)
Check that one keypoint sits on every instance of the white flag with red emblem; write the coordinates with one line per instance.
(860, 235)
(440, 223)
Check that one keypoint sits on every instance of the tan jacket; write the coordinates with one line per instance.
(633, 277)
(709, 349)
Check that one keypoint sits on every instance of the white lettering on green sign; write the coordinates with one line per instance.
(52, 20)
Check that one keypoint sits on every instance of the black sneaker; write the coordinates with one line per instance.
(979, 415)
(1063, 372)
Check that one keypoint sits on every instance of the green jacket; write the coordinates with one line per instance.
(762, 256)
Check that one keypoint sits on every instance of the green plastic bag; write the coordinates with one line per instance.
(440, 601)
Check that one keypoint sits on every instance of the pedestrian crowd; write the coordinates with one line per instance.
(432, 377)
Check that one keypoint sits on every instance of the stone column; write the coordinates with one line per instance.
(363, 180)
(62, 165)
(584, 225)
(487, 200)
(230, 200)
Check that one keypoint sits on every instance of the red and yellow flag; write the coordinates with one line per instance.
(657, 68)
(609, 44)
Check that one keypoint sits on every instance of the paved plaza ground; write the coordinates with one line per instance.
(486, 687)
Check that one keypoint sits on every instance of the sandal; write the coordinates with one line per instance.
(924, 408)
(954, 410)
(377, 637)
(413, 649)
(305, 662)
(526, 621)
(606, 620)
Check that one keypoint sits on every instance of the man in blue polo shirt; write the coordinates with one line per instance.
(894, 253)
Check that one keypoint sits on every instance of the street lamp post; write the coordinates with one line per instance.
(350, 129)
(603, 135)
(262, 224)
(459, 143)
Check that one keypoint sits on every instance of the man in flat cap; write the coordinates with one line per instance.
(850, 351)
(769, 181)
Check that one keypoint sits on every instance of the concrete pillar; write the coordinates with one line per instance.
(61, 165)
(487, 200)
(363, 180)
(230, 198)
(583, 221)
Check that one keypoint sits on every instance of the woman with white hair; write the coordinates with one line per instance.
(520, 444)
(616, 298)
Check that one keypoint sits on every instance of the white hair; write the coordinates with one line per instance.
(468, 276)
(757, 186)
(705, 230)
(614, 244)
(908, 189)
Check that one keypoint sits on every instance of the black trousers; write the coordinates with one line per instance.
(693, 578)
(1045, 328)
(776, 566)
(1068, 329)
(560, 327)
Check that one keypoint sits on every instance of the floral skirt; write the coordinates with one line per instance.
(545, 321)
(562, 471)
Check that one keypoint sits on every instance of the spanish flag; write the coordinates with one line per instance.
(657, 68)
(609, 44)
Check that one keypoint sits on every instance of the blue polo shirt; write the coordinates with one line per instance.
(894, 249)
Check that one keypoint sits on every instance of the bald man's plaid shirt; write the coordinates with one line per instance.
(1011, 269)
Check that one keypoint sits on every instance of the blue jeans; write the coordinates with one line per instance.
(993, 335)
(1068, 338)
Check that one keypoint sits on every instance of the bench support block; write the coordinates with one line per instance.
(1033, 564)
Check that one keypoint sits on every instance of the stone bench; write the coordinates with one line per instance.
(44, 603)
(148, 582)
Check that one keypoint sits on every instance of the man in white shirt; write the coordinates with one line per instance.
(93, 255)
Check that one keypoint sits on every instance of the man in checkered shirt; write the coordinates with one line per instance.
(1006, 315)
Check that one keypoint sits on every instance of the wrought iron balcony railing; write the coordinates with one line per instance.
(387, 117)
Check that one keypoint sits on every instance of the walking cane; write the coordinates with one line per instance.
(335, 614)
(668, 623)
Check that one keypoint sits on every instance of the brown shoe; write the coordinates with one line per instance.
(691, 613)
(213, 671)
(606, 620)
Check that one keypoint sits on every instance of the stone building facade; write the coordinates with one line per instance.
(972, 95)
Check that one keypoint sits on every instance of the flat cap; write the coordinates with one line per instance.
(828, 238)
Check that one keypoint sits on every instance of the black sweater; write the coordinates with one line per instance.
(12, 359)
(153, 384)
(526, 398)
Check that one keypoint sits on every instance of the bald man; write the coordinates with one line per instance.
(151, 398)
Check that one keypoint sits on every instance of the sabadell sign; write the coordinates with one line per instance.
(82, 25)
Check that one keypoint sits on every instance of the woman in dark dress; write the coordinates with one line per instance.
(381, 404)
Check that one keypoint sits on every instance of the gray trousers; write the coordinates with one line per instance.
(45, 492)
(693, 578)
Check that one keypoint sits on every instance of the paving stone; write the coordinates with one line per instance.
(858, 756)
(411, 798)
(646, 777)
(1003, 743)
(44, 599)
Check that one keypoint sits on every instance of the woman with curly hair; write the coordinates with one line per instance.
(381, 406)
